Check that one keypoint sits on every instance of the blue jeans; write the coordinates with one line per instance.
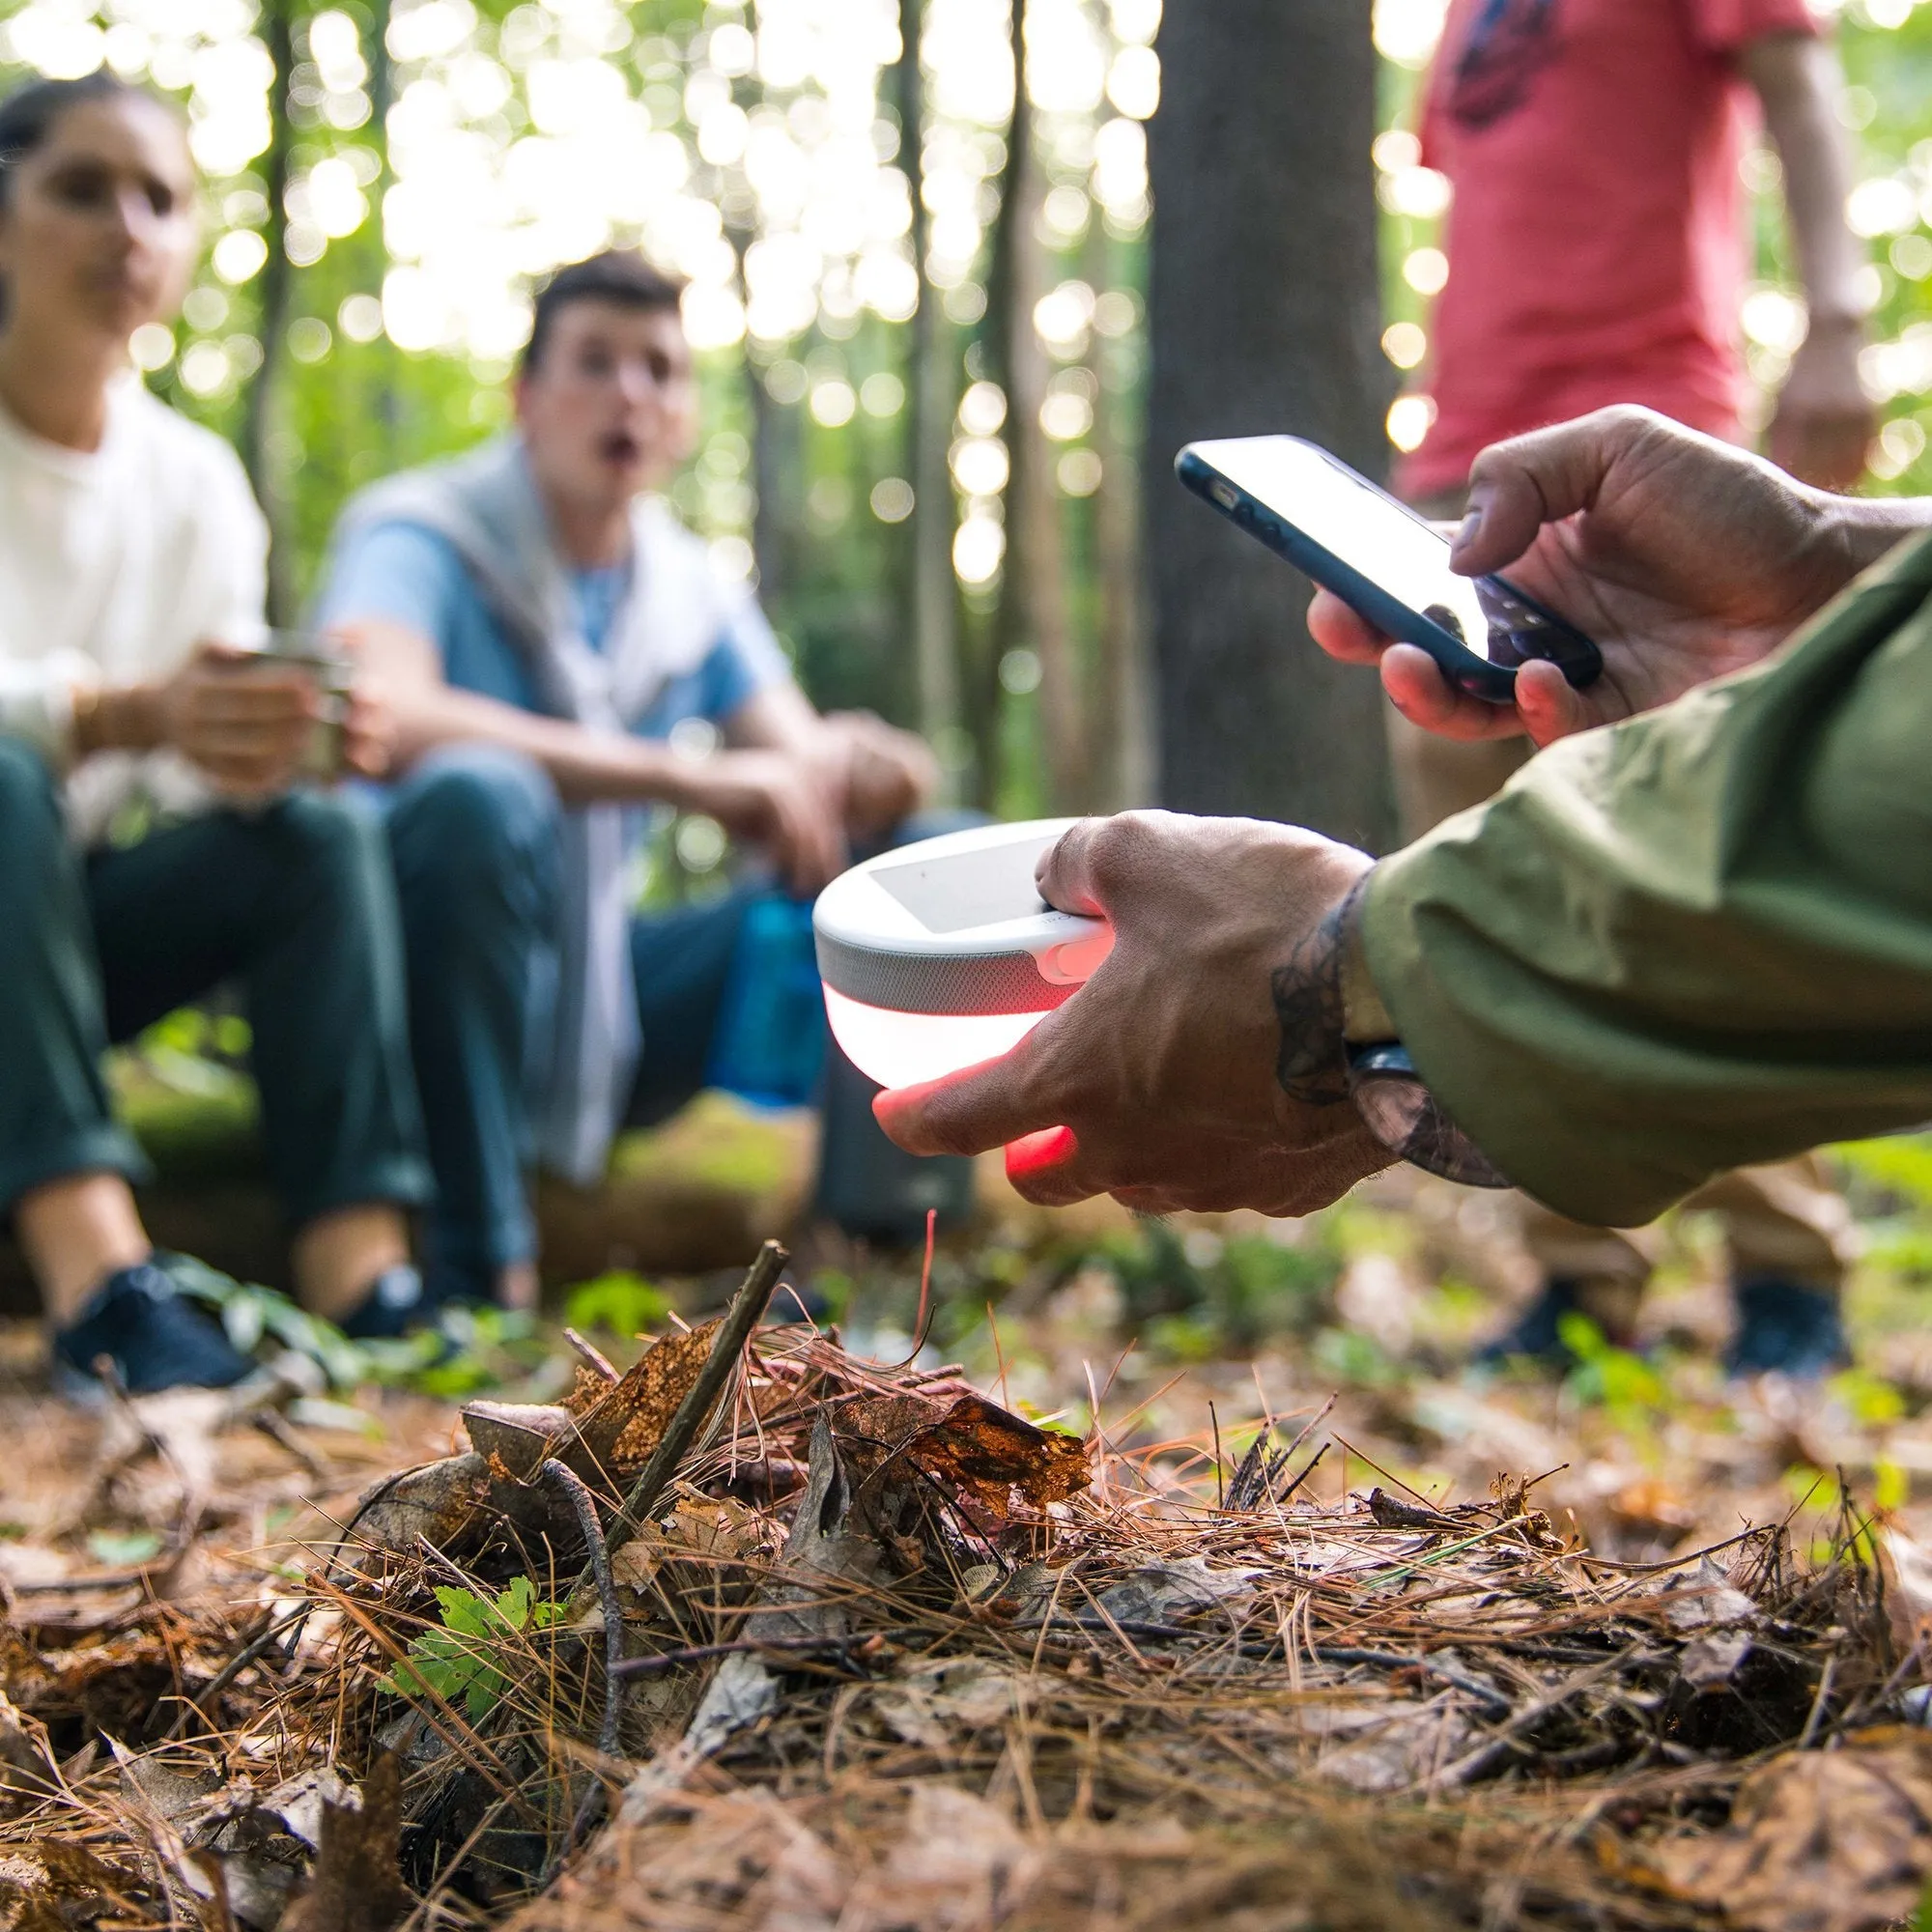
(473, 833)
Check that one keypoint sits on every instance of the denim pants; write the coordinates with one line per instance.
(474, 834)
(293, 901)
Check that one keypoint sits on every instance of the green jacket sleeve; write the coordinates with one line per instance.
(1695, 940)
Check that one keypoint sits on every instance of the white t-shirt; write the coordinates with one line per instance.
(114, 564)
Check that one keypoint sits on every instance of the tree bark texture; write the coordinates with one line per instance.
(1122, 730)
(1264, 316)
(932, 602)
(261, 409)
(1033, 613)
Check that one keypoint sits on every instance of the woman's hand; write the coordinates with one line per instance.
(1201, 1065)
(1683, 558)
(246, 721)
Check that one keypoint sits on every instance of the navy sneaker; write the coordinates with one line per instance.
(155, 1338)
(1788, 1329)
(1538, 1333)
(395, 1305)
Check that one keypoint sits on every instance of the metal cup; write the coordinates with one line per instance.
(334, 677)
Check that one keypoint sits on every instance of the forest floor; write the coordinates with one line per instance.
(1189, 1574)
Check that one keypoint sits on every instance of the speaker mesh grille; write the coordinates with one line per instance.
(1004, 983)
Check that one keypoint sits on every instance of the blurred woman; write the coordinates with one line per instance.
(153, 840)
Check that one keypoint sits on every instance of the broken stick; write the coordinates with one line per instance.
(747, 1309)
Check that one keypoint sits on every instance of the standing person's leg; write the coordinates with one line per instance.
(1592, 1272)
(294, 901)
(1597, 1272)
(1437, 778)
(1791, 1244)
(473, 837)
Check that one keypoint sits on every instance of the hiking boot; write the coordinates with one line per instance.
(1787, 1328)
(395, 1305)
(155, 1337)
(1537, 1334)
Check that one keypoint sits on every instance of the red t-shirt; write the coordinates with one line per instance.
(1595, 243)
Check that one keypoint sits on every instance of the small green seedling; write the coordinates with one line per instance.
(460, 1662)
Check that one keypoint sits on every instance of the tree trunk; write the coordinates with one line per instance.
(1032, 611)
(1122, 730)
(778, 461)
(277, 29)
(388, 408)
(990, 633)
(1263, 317)
(932, 601)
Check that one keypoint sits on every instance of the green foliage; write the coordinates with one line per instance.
(1607, 1376)
(833, 1290)
(121, 1548)
(620, 1302)
(1198, 1291)
(1898, 1164)
(1891, 1486)
(251, 1313)
(462, 1659)
(1872, 1402)
(1348, 1357)
(470, 1352)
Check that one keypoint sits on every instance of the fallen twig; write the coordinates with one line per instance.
(748, 1307)
(554, 1475)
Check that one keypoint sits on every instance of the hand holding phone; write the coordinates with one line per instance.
(1384, 562)
(1693, 559)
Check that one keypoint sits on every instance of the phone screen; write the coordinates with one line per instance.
(1357, 523)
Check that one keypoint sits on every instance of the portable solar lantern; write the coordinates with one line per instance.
(942, 955)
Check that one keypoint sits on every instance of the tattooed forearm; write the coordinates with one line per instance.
(1308, 1004)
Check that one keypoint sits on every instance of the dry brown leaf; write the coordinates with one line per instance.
(1400, 1753)
(52, 1886)
(26, 1760)
(1650, 1503)
(966, 1445)
(356, 1887)
(1907, 1565)
(620, 1423)
(518, 1436)
(433, 1503)
(960, 1866)
(1819, 1841)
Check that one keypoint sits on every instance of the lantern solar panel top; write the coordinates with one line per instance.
(943, 954)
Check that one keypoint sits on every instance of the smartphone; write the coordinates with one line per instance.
(1383, 561)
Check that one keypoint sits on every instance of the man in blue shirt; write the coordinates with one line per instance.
(563, 656)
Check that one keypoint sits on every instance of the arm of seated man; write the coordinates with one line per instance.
(875, 774)
(396, 594)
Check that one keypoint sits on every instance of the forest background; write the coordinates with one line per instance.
(921, 298)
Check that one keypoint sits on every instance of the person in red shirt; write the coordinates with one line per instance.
(1597, 254)
(1597, 244)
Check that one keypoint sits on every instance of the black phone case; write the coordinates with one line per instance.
(1495, 684)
